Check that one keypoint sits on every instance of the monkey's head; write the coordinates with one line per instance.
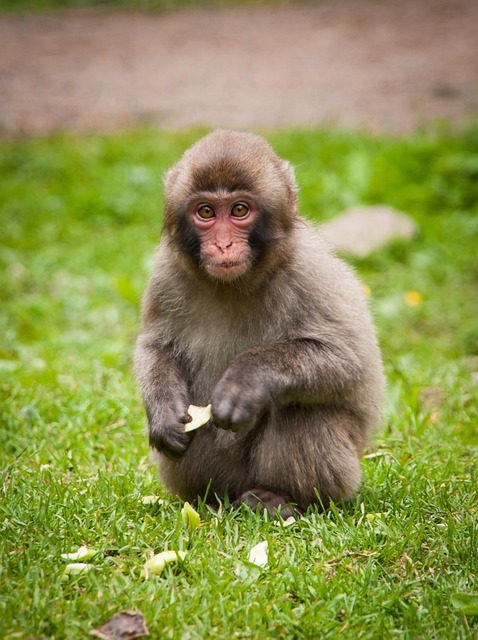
(229, 204)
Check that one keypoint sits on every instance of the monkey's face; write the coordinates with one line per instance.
(222, 223)
(229, 204)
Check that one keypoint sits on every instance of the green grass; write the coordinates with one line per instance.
(79, 218)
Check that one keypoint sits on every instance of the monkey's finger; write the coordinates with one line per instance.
(172, 443)
(233, 418)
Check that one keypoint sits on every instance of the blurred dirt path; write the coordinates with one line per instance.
(385, 66)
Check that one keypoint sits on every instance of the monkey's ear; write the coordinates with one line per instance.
(292, 187)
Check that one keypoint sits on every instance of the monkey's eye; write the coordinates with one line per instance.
(239, 210)
(206, 212)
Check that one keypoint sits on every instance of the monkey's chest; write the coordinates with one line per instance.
(208, 348)
(210, 351)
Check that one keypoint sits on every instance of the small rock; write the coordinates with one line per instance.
(361, 230)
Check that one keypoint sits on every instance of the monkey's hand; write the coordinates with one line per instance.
(166, 430)
(237, 401)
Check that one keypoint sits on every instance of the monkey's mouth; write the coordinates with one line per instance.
(227, 269)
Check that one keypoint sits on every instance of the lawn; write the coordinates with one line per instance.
(79, 219)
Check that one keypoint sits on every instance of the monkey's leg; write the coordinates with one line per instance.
(303, 456)
(267, 500)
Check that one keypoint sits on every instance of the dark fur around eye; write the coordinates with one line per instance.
(188, 239)
(262, 235)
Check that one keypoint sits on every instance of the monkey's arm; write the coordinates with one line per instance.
(165, 397)
(304, 371)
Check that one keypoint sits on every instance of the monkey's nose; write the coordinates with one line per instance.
(224, 246)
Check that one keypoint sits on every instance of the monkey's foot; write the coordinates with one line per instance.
(266, 500)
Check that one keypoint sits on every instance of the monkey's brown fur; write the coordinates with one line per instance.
(286, 352)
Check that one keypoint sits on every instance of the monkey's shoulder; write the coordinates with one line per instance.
(317, 268)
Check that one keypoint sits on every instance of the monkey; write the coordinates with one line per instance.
(249, 310)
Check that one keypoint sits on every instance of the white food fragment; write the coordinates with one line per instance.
(152, 500)
(157, 563)
(83, 553)
(258, 554)
(200, 416)
(190, 516)
(76, 568)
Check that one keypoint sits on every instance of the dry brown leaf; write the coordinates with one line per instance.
(126, 625)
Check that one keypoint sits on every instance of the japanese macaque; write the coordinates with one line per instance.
(248, 310)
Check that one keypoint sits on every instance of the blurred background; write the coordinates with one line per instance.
(375, 103)
(97, 66)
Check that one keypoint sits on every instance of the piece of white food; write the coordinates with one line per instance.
(258, 554)
(200, 416)
(190, 516)
(157, 563)
(83, 553)
(76, 568)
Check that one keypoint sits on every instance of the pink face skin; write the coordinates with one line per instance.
(223, 222)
